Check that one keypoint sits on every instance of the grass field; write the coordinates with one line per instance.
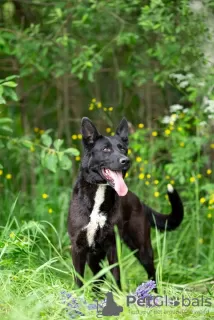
(36, 265)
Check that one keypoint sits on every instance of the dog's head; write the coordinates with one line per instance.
(105, 158)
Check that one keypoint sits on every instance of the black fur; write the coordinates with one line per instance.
(133, 218)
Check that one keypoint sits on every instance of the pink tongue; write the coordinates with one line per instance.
(119, 184)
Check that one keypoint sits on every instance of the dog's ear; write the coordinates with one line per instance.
(89, 131)
(123, 130)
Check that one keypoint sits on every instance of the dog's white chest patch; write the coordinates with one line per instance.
(97, 218)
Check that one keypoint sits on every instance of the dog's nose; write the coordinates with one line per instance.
(124, 160)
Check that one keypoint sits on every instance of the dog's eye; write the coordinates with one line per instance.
(107, 149)
(122, 150)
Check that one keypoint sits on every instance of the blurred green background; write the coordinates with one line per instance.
(150, 61)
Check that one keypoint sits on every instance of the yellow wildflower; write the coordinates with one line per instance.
(129, 151)
(147, 183)
(36, 129)
(180, 129)
(211, 201)
(108, 130)
(74, 137)
(141, 126)
(91, 107)
(141, 168)
(154, 133)
(156, 182)
(138, 159)
(167, 177)
(110, 109)
(202, 200)
(8, 176)
(50, 210)
(77, 158)
(148, 176)
(192, 179)
(1, 172)
(99, 105)
(172, 181)
(141, 176)
(12, 235)
(105, 109)
(201, 240)
(41, 131)
(212, 146)
(156, 194)
(167, 132)
(181, 144)
(112, 134)
(44, 195)
(93, 100)
(32, 149)
(79, 136)
(127, 174)
(209, 171)
(199, 176)
(209, 216)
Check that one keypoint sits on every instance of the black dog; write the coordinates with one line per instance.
(101, 200)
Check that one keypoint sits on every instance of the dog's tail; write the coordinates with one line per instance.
(171, 221)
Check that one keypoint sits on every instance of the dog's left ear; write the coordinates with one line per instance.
(123, 130)
(89, 132)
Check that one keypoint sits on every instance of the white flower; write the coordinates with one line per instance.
(202, 123)
(185, 110)
(211, 116)
(183, 84)
(209, 105)
(179, 77)
(175, 108)
(166, 119)
(170, 119)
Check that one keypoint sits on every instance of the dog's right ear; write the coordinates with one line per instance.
(89, 132)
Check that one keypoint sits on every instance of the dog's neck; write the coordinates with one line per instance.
(89, 190)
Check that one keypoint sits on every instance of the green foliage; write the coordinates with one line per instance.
(51, 154)
(6, 89)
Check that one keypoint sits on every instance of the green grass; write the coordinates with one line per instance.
(36, 265)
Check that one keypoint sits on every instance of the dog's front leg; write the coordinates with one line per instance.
(112, 259)
(79, 261)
